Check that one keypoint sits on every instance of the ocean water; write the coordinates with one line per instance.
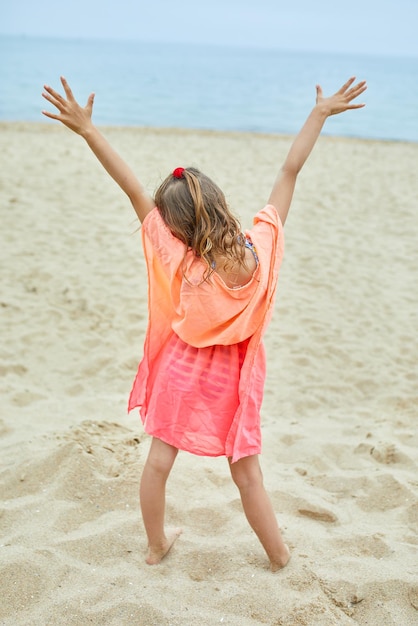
(199, 86)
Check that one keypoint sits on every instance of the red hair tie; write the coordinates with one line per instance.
(178, 172)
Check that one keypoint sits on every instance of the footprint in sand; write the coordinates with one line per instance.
(385, 453)
(26, 397)
(4, 428)
(413, 597)
(383, 493)
(13, 368)
(372, 546)
(288, 503)
(205, 565)
(317, 513)
(344, 595)
(207, 520)
(75, 390)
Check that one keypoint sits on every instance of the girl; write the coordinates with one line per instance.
(200, 383)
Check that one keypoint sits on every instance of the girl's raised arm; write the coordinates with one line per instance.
(78, 119)
(282, 192)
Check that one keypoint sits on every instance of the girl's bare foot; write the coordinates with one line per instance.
(282, 561)
(156, 553)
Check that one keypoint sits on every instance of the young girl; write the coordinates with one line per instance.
(200, 383)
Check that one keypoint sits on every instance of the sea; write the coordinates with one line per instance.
(179, 85)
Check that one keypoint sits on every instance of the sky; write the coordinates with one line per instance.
(375, 27)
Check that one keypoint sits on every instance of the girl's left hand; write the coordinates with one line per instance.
(341, 100)
(71, 114)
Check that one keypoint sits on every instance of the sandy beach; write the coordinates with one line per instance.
(340, 441)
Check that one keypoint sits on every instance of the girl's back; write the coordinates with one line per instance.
(239, 274)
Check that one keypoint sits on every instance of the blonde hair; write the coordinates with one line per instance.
(195, 210)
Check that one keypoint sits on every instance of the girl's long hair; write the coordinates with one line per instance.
(195, 210)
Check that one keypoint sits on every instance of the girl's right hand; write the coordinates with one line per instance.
(71, 114)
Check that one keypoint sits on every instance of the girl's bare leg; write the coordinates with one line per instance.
(246, 473)
(152, 496)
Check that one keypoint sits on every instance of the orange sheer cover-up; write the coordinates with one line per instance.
(200, 383)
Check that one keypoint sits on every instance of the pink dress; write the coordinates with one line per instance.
(200, 383)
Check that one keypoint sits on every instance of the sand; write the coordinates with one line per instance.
(341, 403)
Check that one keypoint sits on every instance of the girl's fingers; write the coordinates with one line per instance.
(52, 100)
(359, 88)
(51, 115)
(67, 88)
(90, 102)
(346, 85)
(54, 93)
(355, 93)
(48, 96)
